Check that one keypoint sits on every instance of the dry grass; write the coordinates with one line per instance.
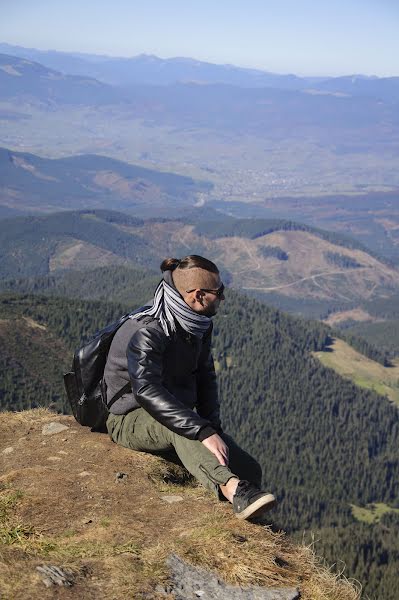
(116, 536)
(307, 273)
(356, 314)
(82, 255)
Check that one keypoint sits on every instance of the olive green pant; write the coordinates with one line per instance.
(139, 431)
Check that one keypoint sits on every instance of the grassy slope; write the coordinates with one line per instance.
(60, 504)
(372, 513)
(361, 370)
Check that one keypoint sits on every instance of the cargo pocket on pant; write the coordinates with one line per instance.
(212, 478)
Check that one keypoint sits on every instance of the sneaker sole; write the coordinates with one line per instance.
(258, 507)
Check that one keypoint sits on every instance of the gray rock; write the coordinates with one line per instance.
(8, 450)
(53, 428)
(188, 582)
(52, 575)
(120, 476)
(172, 499)
(84, 474)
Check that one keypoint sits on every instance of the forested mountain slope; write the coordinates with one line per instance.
(267, 258)
(117, 284)
(376, 322)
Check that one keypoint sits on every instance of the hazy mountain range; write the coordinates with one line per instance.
(251, 141)
(20, 77)
(150, 69)
(268, 110)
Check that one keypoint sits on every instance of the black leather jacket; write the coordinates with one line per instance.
(173, 379)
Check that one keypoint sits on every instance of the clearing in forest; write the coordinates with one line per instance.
(363, 371)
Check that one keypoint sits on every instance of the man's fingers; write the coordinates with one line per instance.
(217, 446)
(225, 454)
(225, 458)
(221, 458)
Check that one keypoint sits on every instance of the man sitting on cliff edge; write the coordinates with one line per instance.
(165, 352)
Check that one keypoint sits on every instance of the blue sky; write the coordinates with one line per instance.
(324, 37)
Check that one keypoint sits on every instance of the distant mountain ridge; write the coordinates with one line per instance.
(23, 78)
(152, 70)
(221, 107)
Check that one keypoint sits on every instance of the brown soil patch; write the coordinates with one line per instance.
(24, 164)
(75, 254)
(356, 314)
(34, 324)
(124, 187)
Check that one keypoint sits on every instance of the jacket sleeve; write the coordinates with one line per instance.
(207, 391)
(145, 361)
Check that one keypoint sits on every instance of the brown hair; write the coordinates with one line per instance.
(189, 262)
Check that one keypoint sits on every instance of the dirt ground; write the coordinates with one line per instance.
(112, 517)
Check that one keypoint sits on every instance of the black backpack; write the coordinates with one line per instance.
(84, 384)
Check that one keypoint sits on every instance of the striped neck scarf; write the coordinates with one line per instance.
(169, 307)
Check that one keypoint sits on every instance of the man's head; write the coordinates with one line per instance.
(198, 281)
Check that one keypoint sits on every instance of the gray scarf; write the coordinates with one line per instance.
(169, 305)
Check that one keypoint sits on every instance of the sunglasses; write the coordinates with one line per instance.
(219, 292)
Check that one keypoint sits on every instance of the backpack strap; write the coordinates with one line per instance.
(126, 388)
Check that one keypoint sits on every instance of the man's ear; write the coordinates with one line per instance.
(199, 294)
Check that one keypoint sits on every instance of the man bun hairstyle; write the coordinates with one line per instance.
(169, 264)
(189, 262)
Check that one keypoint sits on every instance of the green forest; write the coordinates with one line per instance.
(323, 443)
(381, 333)
(274, 252)
(340, 260)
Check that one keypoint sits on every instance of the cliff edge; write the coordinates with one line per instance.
(83, 518)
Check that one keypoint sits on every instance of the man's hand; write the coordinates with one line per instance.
(217, 446)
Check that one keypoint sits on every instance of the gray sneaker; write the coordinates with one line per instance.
(249, 501)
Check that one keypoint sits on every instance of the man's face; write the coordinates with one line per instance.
(207, 300)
